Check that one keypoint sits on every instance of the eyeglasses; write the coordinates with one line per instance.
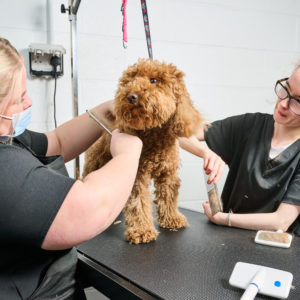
(282, 93)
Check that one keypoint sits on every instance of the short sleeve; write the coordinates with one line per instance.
(292, 194)
(292, 197)
(37, 141)
(227, 137)
(31, 195)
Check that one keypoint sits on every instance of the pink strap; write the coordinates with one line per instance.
(124, 25)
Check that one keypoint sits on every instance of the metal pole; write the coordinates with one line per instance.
(75, 6)
(72, 10)
(74, 72)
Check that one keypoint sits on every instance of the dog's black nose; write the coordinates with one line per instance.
(133, 98)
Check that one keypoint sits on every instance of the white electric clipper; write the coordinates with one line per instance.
(260, 279)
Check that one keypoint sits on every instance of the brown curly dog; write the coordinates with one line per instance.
(151, 102)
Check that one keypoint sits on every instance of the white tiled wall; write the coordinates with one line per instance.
(232, 52)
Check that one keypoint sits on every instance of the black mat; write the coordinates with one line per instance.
(192, 263)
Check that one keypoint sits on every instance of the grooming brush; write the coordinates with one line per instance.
(273, 238)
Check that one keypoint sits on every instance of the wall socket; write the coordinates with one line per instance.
(39, 60)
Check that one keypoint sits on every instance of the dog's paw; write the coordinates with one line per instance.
(173, 222)
(137, 236)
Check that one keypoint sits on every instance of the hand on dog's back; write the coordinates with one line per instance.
(123, 143)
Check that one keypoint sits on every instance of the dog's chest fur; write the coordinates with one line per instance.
(159, 147)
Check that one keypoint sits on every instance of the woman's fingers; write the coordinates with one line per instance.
(214, 166)
(219, 172)
(206, 208)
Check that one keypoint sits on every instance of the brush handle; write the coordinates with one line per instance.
(254, 285)
(250, 292)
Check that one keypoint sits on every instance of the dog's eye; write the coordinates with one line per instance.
(153, 80)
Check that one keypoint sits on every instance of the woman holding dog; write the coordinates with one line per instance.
(262, 189)
(43, 212)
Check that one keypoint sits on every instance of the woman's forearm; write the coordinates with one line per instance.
(75, 136)
(259, 221)
(92, 204)
(116, 179)
(282, 218)
(193, 145)
(212, 163)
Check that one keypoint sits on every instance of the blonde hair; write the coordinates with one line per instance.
(11, 65)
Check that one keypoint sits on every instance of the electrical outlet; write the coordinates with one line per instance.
(40, 56)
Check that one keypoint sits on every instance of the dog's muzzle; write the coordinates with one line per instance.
(132, 98)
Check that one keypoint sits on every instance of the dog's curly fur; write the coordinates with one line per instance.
(151, 102)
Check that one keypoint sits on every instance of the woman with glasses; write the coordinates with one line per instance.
(262, 189)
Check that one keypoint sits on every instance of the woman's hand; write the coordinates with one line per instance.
(105, 112)
(216, 218)
(213, 165)
(123, 143)
(108, 110)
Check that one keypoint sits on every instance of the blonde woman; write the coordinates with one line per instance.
(43, 212)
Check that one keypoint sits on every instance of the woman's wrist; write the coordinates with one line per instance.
(104, 111)
(203, 150)
(221, 218)
(226, 219)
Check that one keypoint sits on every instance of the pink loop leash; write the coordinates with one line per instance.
(124, 24)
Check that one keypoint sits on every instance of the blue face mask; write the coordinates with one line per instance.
(20, 121)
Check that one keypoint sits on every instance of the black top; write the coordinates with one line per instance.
(255, 183)
(31, 195)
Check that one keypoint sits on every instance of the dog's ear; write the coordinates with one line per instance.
(128, 75)
(187, 119)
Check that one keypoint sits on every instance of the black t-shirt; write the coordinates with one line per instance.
(255, 183)
(31, 195)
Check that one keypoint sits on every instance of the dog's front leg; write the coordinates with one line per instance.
(138, 213)
(166, 192)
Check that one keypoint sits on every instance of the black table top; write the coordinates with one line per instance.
(191, 263)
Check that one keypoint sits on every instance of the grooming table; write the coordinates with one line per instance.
(191, 263)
